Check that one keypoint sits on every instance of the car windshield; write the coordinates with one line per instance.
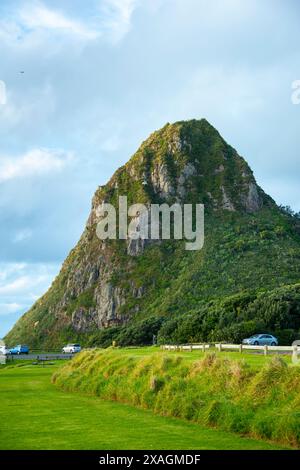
(254, 336)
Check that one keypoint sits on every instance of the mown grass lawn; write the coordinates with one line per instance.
(34, 414)
(253, 359)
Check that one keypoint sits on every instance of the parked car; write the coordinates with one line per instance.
(71, 349)
(19, 349)
(261, 340)
(4, 351)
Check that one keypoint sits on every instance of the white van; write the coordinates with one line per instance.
(71, 349)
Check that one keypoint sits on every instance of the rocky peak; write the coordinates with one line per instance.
(185, 162)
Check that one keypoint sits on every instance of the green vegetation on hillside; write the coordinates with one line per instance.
(41, 417)
(212, 391)
(225, 292)
(248, 270)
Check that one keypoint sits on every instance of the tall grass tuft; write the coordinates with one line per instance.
(212, 391)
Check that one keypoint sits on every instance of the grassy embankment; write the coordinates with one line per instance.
(234, 396)
(37, 415)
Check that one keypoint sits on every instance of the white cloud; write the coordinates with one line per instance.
(8, 308)
(2, 93)
(9, 269)
(116, 17)
(23, 283)
(37, 17)
(35, 162)
(27, 108)
(22, 236)
(20, 285)
(35, 23)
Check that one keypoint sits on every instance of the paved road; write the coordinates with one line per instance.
(41, 357)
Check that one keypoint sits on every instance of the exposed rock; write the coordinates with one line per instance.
(84, 320)
(253, 201)
(160, 180)
(136, 247)
(220, 169)
(108, 300)
(188, 171)
(175, 144)
(94, 275)
(226, 202)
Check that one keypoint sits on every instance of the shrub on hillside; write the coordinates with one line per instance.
(237, 317)
(140, 333)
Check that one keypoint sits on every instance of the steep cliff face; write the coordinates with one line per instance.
(108, 283)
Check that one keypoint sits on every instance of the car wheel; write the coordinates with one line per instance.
(255, 343)
(273, 343)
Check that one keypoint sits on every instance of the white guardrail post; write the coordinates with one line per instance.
(293, 350)
(295, 354)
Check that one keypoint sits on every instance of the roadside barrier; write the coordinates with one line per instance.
(293, 350)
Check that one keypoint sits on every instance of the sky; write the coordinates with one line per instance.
(82, 84)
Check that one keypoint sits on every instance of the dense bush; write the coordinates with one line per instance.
(138, 334)
(103, 338)
(275, 312)
(232, 319)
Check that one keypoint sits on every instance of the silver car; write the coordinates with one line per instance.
(71, 349)
(261, 340)
(4, 350)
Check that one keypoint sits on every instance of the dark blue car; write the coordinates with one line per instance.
(20, 349)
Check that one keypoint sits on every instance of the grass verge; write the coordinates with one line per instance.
(37, 415)
(212, 391)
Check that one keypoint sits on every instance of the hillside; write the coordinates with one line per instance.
(244, 278)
